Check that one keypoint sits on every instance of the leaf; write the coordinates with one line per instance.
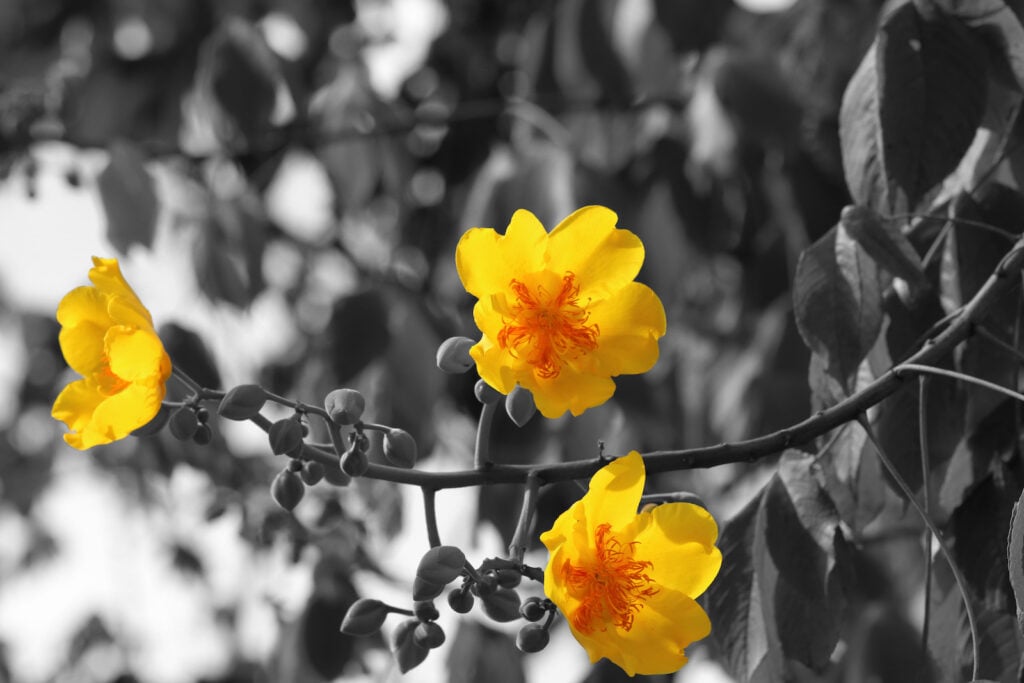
(995, 21)
(358, 332)
(837, 303)
(240, 76)
(734, 602)
(911, 109)
(884, 242)
(129, 198)
(799, 525)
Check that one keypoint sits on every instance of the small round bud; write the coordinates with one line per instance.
(440, 565)
(203, 435)
(532, 638)
(285, 436)
(335, 477)
(364, 617)
(461, 600)
(242, 402)
(183, 423)
(294, 465)
(345, 406)
(425, 610)
(312, 472)
(400, 448)
(429, 635)
(520, 406)
(485, 393)
(453, 355)
(287, 489)
(532, 609)
(203, 415)
(354, 462)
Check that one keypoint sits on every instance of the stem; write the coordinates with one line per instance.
(482, 447)
(961, 581)
(517, 548)
(430, 514)
(929, 370)
(185, 379)
(960, 221)
(934, 248)
(926, 472)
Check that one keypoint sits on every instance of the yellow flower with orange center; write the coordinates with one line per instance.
(560, 313)
(107, 336)
(627, 581)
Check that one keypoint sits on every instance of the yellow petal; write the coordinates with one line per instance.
(569, 390)
(121, 414)
(135, 355)
(666, 624)
(615, 491)
(487, 261)
(82, 346)
(106, 275)
(497, 366)
(630, 323)
(75, 405)
(603, 257)
(678, 540)
(83, 305)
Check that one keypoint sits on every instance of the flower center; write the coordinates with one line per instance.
(548, 328)
(612, 588)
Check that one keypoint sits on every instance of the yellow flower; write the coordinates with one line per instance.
(107, 336)
(626, 581)
(560, 313)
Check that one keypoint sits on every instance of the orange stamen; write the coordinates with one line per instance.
(548, 330)
(612, 589)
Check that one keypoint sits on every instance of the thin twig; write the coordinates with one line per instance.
(1005, 234)
(482, 447)
(517, 548)
(430, 513)
(926, 474)
(983, 331)
(952, 374)
(958, 575)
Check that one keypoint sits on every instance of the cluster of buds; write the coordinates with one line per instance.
(493, 583)
(453, 357)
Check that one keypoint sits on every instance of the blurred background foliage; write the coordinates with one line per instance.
(258, 139)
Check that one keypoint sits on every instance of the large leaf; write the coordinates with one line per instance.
(998, 25)
(837, 303)
(129, 198)
(1015, 559)
(912, 108)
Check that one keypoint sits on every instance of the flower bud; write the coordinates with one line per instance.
(441, 565)
(364, 617)
(461, 600)
(502, 605)
(485, 586)
(453, 355)
(532, 609)
(400, 448)
(242, 402)
(425, 610)
(485, 393)
(519, 405)
(532, 638)
(429, 635)
(203, 435)
(335, 477)
(312, 472)
(183, 423)
(285, 436)
(287, 489)
(425, 589)
(203, 415)
(408, 653)
(345, 406)
(354, 462)
(508, 578)
(156, 424)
